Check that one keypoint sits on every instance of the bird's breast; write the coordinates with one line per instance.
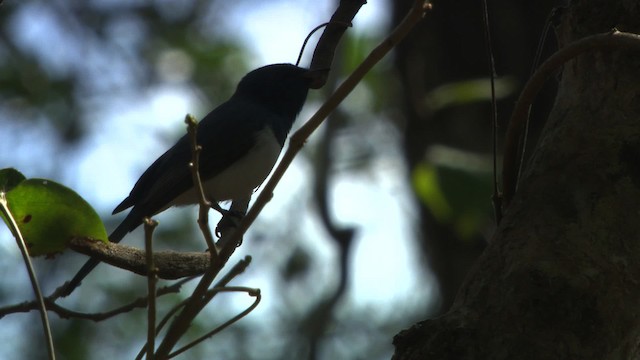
(241, 178)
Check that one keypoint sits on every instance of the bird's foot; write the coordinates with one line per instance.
(230, 220)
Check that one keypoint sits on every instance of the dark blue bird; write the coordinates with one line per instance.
(241, 141)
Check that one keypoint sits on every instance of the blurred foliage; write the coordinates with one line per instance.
(456, 187)
(96, 49)
(378, 83)
(468, 91)
(363, 131)
(454, 184)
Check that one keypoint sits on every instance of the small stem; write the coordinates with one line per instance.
(13, 226)
(497, 206)
(194, 165)
(251, 292)
(149, 226)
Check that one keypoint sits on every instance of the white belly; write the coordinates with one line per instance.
(240, 179)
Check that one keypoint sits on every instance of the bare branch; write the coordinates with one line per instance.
(169, 264)
(13, 226)
(326, 47)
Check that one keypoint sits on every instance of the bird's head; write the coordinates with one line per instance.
(281, 88)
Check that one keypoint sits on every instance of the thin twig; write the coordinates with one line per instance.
(65, 313)
(160, 325)
(194, 166)
(152, 279)
(211, 293)
(196, 302)
(236, 270)
(613, 39)
(140, 302)
(497, 207)
(13, 227)
(192, 307)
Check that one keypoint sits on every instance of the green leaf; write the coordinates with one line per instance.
(49, 215)
(9, 178)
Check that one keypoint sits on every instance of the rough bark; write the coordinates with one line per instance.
(560, 278)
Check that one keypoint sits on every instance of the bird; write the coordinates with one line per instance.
(241, 140)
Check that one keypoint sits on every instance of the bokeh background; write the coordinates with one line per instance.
(92, 92)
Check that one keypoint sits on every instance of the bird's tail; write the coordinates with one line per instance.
(123, 229)
(80, 275)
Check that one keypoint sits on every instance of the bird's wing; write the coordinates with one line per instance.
(225, 134)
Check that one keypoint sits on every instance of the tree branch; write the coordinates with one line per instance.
(328, 42)
(169, 264)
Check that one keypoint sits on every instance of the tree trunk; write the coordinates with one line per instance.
(448, 47)
(560, 277)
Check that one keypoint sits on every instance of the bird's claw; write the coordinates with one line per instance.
(230, 219)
